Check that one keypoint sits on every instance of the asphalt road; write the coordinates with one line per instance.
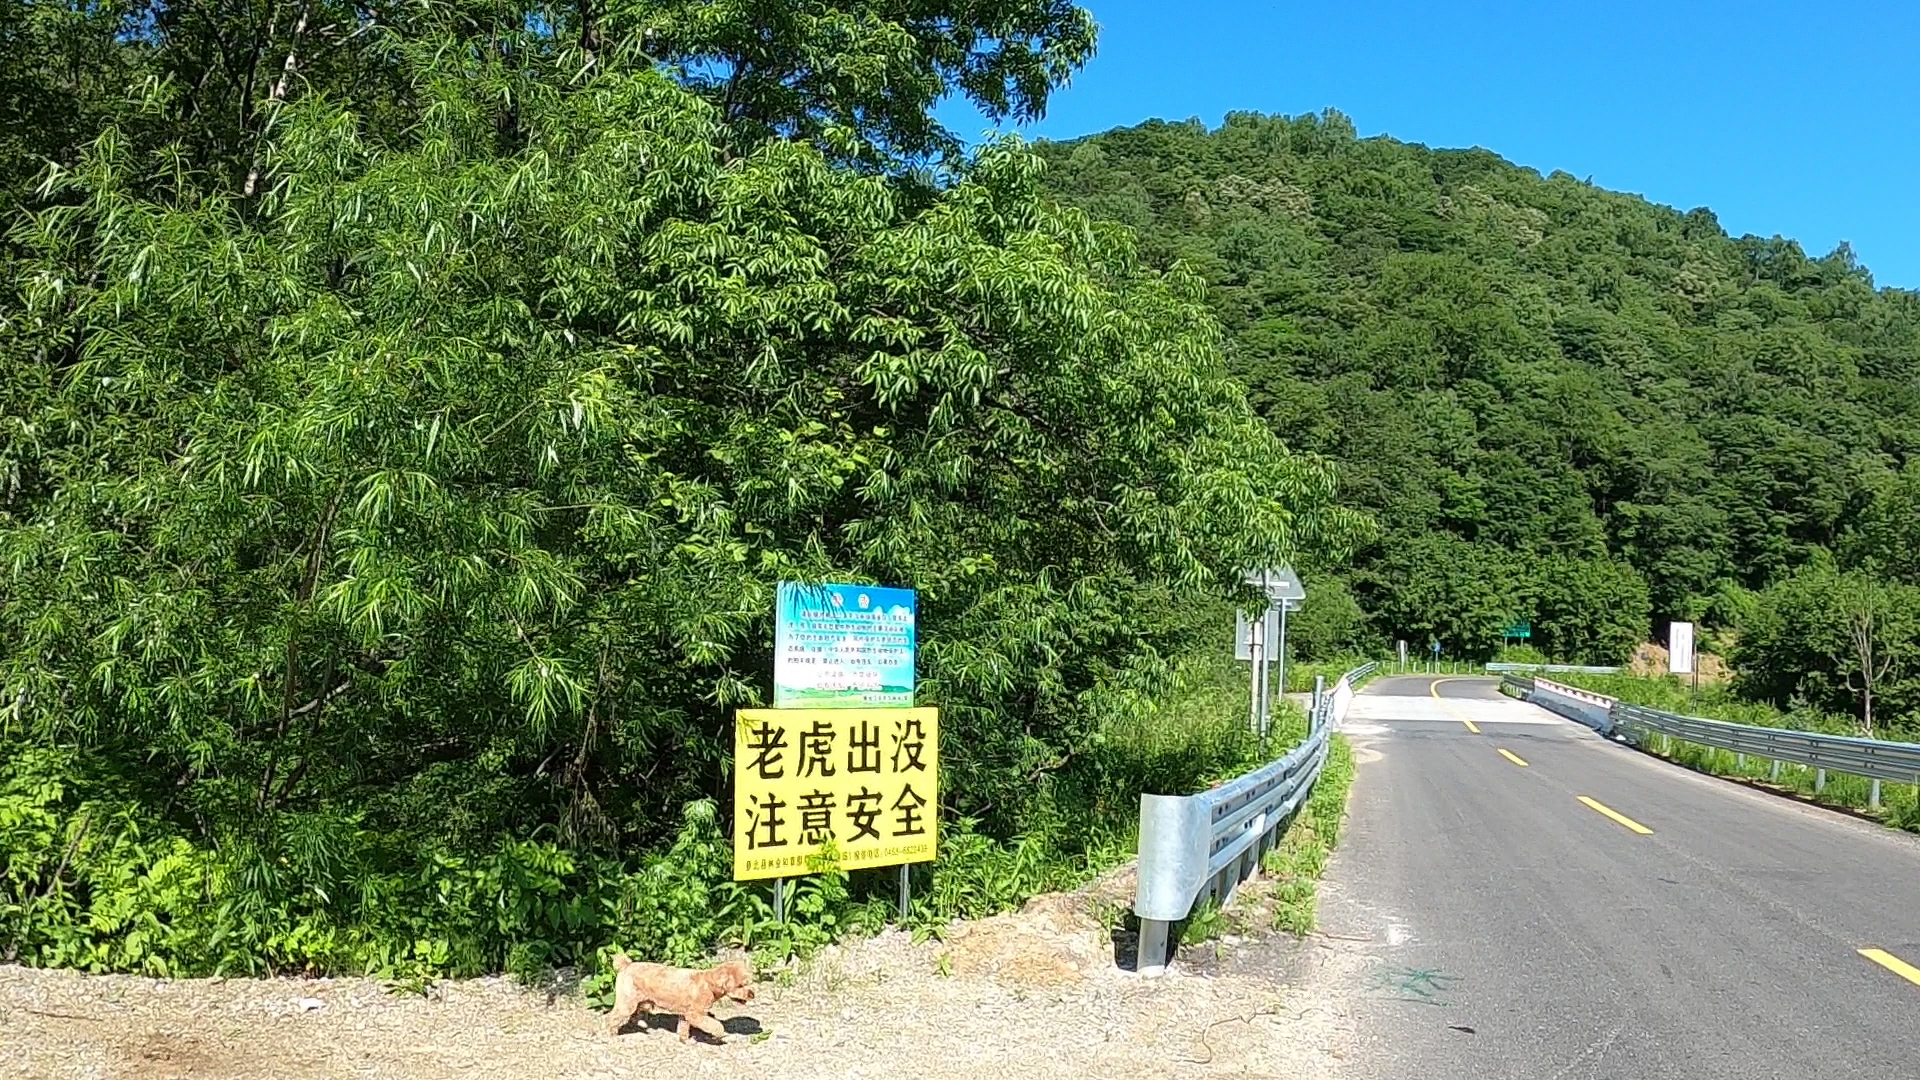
(1514, 931)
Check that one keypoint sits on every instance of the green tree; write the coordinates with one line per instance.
(1591, 611)
(1438, 587)
(449, 484)
(1331, 625)
(1884, 538)
(861, 77)
(1844, 641)
(1527, 363)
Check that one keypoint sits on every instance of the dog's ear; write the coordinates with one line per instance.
(741, 973)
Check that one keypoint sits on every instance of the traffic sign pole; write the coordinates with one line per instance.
(1256, 631)
(1283, 653)
(1281, 586)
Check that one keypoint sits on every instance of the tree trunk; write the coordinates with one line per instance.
(279, 92)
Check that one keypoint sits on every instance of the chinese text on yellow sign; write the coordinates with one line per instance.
(869, 779)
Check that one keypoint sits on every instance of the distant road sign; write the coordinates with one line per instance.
(1518, 630)
(1680, 648)
(1279, 582)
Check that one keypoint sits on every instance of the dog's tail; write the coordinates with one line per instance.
(620, 962)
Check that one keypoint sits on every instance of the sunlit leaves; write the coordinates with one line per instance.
(458, 455)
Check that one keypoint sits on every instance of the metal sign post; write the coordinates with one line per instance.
(1261, 636)
(1282, 657)
(1257, 653)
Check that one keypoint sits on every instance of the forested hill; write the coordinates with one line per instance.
(1528, 380)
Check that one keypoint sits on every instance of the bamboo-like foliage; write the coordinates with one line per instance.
(442, 485)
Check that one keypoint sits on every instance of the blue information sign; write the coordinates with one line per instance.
(843, 647)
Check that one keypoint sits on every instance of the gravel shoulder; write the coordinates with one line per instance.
(1032, 994)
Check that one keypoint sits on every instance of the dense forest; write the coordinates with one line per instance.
(1558, 402)
(409, 410)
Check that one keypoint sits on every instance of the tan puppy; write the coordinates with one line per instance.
(689, 993)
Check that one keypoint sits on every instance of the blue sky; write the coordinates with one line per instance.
(1794, 119)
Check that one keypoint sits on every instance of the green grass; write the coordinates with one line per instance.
(1084, 820)
(532, 906)
(1714, 702)
(1206, 923)
(1301, 856)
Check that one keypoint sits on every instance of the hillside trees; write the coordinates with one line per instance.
(1844, 641)
(1515, 370)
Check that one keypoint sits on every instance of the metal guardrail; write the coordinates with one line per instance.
(1203, 846)
(1874, 759)
(1361, 672)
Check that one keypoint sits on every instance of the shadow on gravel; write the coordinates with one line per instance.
(1126, 944)
(668, 1022)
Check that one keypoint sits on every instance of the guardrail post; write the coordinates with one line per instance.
(1775, 774)
(1741, 762)
(1151, 956)
(1819, 781)
(1873, 800)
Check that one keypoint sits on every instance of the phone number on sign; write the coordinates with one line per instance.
(871, 854)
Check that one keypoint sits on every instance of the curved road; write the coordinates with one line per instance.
(1674, 926)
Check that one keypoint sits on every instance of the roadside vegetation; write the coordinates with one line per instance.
(1299, 860)
(409, 415)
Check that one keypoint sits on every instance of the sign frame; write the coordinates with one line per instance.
(1280, 584)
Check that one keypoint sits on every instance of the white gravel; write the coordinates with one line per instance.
(1029, 995)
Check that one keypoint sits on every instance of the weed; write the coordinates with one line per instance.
(1206, 923)
(1297, 862)
(94, 880)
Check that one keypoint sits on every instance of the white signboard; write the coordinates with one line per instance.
(1243, 634)
(1680, 648)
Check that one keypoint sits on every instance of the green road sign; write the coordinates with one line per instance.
(1518, 630)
